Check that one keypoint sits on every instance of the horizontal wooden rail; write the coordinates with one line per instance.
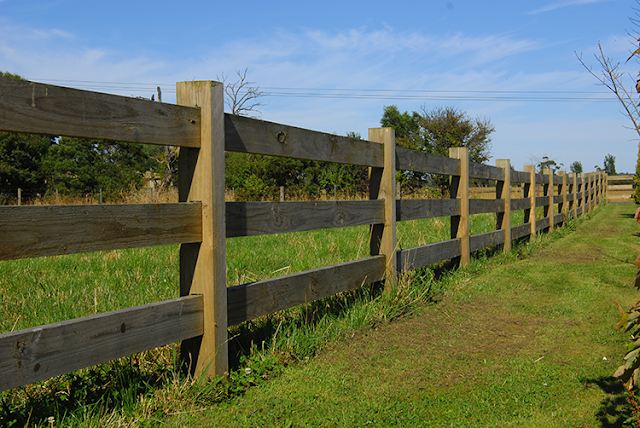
(486, 240)
(542, 223)
(487, 172)
(413, 160)
(47, 230)
(520, 177)
(520, 204)
(249, 301)
(479, 206)
(38, 353)
(415, 209)
(520, 231)
(425, 255)
(36, 108)
(261, 218)
(247, 135)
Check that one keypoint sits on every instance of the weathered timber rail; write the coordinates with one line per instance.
(202, 221)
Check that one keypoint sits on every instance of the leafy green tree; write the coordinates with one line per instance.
(548, 163)
(80, 166)
(406, 126)
(21, 157)
(576, 167)
(610, 164)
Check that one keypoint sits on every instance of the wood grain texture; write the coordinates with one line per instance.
(558, 218)
(249, 301)
(414, 209)
(38, 353)
(557, 199)
(203, 266)
(503, 191)
(529, 191)
(262, 218)
(247, 135)
(542, 223)
(37, 108)
(478, 206)
(413, 160)
(520, 231)
(47, 230)
(488, 172)
(459, 189)
(486, 240)
(520, 204)
(382, 186)
(425, 255)
(542, 201)
(520, 177)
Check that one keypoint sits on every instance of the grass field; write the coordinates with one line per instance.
(148, 388)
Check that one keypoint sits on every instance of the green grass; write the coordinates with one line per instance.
(148, 388)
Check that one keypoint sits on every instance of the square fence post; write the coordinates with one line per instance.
(203, 265)
(548, 192)
(573, 204)
(562, 206)
(503, 191)
(382, 185)
(459, 189)
(530, 193)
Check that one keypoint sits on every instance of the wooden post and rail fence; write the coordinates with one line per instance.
(201, 221)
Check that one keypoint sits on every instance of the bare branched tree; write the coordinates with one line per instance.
(612, 78)
(240, 96)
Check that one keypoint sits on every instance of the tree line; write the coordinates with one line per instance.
(41, 165)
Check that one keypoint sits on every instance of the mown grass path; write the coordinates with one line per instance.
(529, 343)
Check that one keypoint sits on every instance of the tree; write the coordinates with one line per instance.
(81, 166)
(406, 126)
(240, 96)
(576, 167)
(21, 157)
(446, 127)
(610, 164)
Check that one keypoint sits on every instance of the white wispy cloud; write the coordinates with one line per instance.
(562, 4)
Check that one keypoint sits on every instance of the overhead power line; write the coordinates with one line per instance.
(369, 94)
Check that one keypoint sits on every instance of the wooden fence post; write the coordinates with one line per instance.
(203, 265)
(583, 187)
(19, 196)
(572, 190)
(382, 186)
(459, 189)
(503, 191)
(548, 191)
(562, 207)
(530, 192)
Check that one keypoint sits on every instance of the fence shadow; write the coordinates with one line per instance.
(614, 409)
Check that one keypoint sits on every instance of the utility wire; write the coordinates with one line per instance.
(371, 94)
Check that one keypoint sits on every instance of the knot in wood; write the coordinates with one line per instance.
(282, 137)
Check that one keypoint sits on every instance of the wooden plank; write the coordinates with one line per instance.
(549, 190)
(520, 177)
(413, 160)
(382, 186)
(47, 230)
(425, 255)
(503, 191)
(486, 240)
(459, 189)
(558, 218)
(520, 231)
(542, 223)
(487, 172)
(247, 135)
(542, 201)
(263, 218)
(203, 266)
(529, 190)
(478, 206)
(619, 177)
(37, 108)
(557, 199)
(520, 204)
(249, 301)
(38, 353)
(620, 187)
(414, 209)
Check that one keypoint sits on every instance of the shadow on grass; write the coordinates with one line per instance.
(614, 409)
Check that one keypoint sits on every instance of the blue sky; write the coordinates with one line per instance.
(360, 55)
